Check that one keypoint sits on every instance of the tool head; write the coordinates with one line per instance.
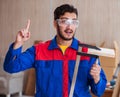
(94, 51)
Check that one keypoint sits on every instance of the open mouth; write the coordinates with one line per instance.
(68, 31)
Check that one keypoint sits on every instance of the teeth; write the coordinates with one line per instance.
(68, 31)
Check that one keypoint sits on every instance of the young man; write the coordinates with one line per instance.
(54, 60)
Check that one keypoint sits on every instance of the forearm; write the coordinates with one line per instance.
(16, 60)
(11, 56)
(99, 88)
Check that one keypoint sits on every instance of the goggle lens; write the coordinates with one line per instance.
(65, 22)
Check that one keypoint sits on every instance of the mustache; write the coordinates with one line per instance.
(70, 30)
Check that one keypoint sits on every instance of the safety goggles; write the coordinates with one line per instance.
(66, 22)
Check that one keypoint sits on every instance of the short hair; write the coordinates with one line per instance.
(61, 10)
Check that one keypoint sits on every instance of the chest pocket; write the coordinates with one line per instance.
(53, 67)
(43, 64)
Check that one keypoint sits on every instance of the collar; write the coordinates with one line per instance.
(53, 44)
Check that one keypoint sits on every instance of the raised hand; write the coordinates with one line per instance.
(22, 36)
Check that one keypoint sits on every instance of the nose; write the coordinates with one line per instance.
(69, 25)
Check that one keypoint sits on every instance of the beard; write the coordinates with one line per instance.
(62, 36)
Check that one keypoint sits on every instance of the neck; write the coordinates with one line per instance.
(63, 42)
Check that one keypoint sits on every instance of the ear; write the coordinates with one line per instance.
(55, 24)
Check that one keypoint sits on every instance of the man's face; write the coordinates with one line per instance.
(66, 26)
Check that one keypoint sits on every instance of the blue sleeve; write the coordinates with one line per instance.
(16, 60)
(99, 88)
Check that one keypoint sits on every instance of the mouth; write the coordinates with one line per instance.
(68, 31)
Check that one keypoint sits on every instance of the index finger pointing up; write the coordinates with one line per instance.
(28, 25)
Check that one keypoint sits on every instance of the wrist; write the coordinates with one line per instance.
(96, 80)
(17, 45)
